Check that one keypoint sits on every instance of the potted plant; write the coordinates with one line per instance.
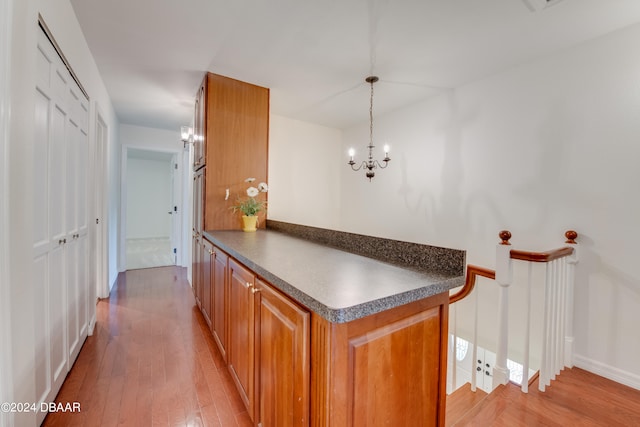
(251, 205)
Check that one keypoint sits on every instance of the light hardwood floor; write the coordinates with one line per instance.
(152, 362)
(575, 398)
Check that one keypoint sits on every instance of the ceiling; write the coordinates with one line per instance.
(315, 54)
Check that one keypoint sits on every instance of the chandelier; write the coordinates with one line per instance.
(370, 164)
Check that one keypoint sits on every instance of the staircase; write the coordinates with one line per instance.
(577, 397)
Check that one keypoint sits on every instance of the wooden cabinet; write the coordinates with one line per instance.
(282, 359)
(197, 253)
(231, 129)
(241, 356)
(268, 350)
(295, 368)
(219, 292)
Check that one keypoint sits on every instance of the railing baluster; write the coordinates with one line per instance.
(525, 364)
(562, 314)
(475, 342)
(544, 361)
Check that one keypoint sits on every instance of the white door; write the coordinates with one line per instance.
(60, 223)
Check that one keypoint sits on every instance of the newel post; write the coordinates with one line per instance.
(572, 260)
(504, 277)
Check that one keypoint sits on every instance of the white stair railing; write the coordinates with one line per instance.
(557, 333)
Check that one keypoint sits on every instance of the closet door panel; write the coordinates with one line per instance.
(41, 327)
(41, 179)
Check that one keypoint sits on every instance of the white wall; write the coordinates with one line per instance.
(150, 138)
(61, 20)
(304, 172)
(148, 198)
(538, 149)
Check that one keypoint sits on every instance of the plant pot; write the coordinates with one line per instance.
(249, 223)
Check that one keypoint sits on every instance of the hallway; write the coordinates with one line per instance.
(151, 361)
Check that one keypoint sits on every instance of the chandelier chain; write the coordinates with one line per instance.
(371, 122)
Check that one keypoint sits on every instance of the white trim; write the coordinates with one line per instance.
(100, 210)
(607, 371)
(6, 376)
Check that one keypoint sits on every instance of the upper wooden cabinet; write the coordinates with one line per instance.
(199, 128)
(231, 141)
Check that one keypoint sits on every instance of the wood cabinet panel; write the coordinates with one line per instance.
(384, 369)
(401, 357)
(196, 270)
(220, 301)
(282, 355)
(241, 356)
(206, 297)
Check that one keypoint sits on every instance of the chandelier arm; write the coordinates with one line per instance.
(359, 167)
(380, 165)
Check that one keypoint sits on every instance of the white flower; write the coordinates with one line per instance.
(263, 187)
(249, 180)
(252, 191)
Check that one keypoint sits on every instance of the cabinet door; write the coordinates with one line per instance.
(241, 332)
(282, 356)
(200, 127)
(219, 304)
(198, 200)
(207, 263)
(196, 271)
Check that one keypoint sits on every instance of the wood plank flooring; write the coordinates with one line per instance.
(575, 398)
(151, 361)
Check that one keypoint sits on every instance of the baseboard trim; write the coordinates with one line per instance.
(92, 325)
(607, 371)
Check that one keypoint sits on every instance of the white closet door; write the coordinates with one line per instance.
(60, 221)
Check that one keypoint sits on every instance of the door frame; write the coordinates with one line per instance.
(180, 244)
(99, 220)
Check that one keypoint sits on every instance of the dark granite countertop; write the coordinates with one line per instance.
(338, 285)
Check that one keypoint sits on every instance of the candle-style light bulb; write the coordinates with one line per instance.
(386, 149)
(352, 153)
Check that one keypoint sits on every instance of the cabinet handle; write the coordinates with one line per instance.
(210, 252)
(255, 290)
(249, 285)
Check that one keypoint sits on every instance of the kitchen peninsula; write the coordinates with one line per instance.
(317, 327)
(327, 328)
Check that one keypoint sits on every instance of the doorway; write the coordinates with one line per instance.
(151, 209)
